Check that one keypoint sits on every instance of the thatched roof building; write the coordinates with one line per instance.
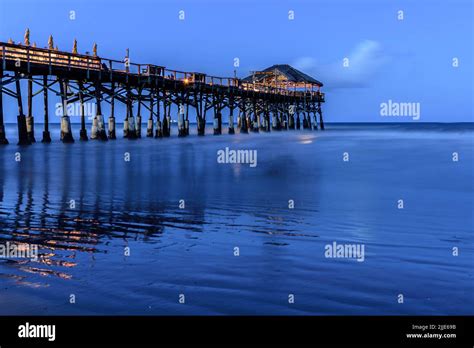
(283, 76)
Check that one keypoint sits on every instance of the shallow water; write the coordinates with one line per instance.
(190, 251)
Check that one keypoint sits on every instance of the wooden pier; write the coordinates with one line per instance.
(277, 98)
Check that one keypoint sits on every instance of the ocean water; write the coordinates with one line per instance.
(85, 207)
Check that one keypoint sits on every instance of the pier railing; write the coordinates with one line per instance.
(55, 58)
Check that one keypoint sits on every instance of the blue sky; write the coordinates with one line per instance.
(407, 60)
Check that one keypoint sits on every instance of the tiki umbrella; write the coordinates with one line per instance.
(51, 42)
(74, 47)
(27, 37)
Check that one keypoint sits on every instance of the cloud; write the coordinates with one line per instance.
(365, 61)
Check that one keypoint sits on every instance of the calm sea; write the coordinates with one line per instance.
(113, 238)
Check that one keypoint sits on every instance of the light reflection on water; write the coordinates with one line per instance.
(135, 204)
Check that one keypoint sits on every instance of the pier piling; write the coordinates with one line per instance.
(112, 133)
(46, 134)
(243, 118)
(181, 129)
(83, 131)
(21, 119)
(217, 123)
(3, 137)
(149, 127)
(320, 111)
(30, 124)
(139, 115)
(98, 124)
(159, 129)
(186, 120)
(291, 121)
(231, 116)
(315, 121)
(66, 132)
